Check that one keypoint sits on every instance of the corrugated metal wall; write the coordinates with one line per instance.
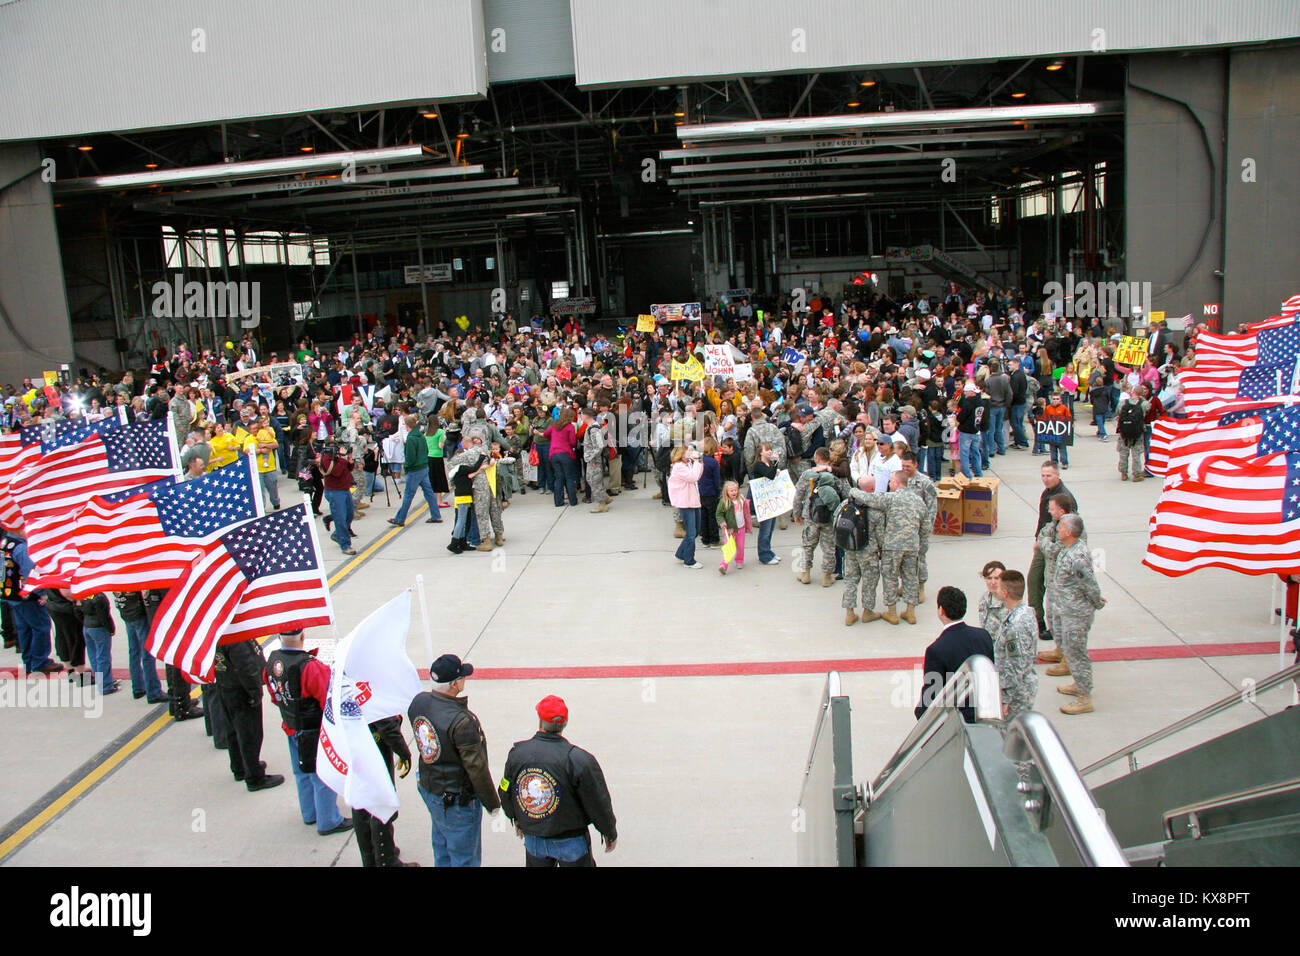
(536, 41)
(69, 67)
(628, 42)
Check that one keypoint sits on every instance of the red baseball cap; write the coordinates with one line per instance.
(552, 709)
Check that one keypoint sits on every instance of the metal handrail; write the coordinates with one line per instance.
(830, 690)
(1218, 707)
(1031, 737)
(1192, 810)
(976, 676)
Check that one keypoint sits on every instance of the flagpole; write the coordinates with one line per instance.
(424, 616)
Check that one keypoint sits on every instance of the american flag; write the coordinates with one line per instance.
(149, 539)
(1240, 515)
(1291, 306)
(264, 576)
(25, 447)
(1267, 346)
(1178, 445)
(1272, 322)
(107, 458)
(1207, 390)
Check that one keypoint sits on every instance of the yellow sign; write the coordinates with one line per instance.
(1132, 351)
(1156, 317)
(51, 378)
(691, 371)
(645, 323)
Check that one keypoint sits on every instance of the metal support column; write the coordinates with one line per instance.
(771, 222)
(424, 288)
(356, 282)
(731, 251)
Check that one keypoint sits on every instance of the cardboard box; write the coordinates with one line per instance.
(948, 520)
(953, 482)
(980, 506)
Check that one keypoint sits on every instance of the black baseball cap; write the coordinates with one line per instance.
(449, 668)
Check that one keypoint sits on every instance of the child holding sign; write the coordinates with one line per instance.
(733, 519)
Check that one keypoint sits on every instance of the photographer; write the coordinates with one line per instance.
(335, 465)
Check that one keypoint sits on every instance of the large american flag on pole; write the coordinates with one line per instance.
(265, 576)
(149, 539)
(1207, 390)
(1263, 347)
(1272, 322)
(1178, 445)
(109, 458)
(1240, 515)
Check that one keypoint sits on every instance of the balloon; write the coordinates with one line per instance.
(229, 344)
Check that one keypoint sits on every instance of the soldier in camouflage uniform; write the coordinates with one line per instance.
(1015, 644)
(904, 512)
(862, 570)
(922, 485)
(818, 483)
(992, 611)
(1077, 597)
(764, 430)
(594, 455)
(487, 510)
(1049, 546)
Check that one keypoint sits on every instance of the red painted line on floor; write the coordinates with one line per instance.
(1155, 652)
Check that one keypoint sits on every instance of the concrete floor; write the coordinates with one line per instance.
(704, 762)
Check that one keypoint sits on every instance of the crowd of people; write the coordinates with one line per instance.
(865, 409)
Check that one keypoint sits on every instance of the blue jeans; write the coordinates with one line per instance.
(1063, 451)
(932, 461)
(565, 477)
(972, 452)
(1100, 422)
(271, 485)
(472, 538)
(765, 552)
(457, 831)
(996, 436)
(1146, 443)
(33, 625)
(545, 477)
(546, 850)
(417, 480)
(99, 654)
(1017, 416)
(317, 802)
(341, 506)
(371, 481)
(144, 669)
(462, 521)
(691, 522)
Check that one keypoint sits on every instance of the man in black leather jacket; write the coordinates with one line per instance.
(553, 790)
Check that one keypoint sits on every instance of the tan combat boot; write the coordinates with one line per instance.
(656, 496)
(599, 509)
(890, 614)
(485, 546)
(679, 531)
(1053, 656)
(850, 618)
(920, 598)
(1070, 690)
(1080, 705)
(909, 615)
(869, 615)
(500, 541)
(1060, 669)
(804, 577)
(827, 580)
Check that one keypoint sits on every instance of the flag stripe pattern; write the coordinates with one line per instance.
(1264, 347)
(1243, 435)
(264, 576)
(149, 539)
(1207, 390)
(1240, 515)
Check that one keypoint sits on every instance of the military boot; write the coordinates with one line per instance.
(1061, 669)
(805, 577)
(850, 617)
(485, 546)
(599, 509)
(909, 615)
(1053, 656)
(869, 615)
(890, 614)
(679, 531)
(1070, 690)
(500, 541)
(828, 579)
(1080, 705)
(920, 598)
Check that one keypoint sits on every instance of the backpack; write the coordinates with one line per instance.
(1131, 422)
(819, 512)
(851, 526)
(1032, 387)
(814, 440)
(793, 443)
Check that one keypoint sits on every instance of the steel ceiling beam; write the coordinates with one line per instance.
(364, 195)
(851, 159)
(301, 185)
(854, 142)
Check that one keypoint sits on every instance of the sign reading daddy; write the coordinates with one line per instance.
(1054, 431)
(772, 497)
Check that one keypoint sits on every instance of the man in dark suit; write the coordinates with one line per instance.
(955, 643)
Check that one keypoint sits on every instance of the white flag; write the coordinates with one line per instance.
(372, 678)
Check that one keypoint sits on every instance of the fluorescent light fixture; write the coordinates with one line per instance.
(247, 170)
(301, 185)
(977, 116)
(644, 233)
